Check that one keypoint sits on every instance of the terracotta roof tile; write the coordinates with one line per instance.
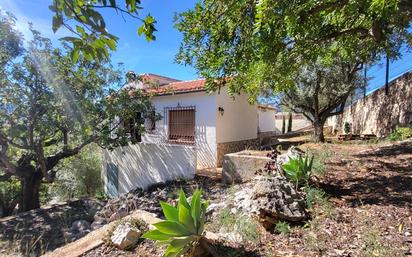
(179, 87)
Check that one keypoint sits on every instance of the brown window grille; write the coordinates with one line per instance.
(181, 124)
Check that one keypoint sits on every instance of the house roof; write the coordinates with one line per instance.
(156, 79)
(268, 107)
(178, 87)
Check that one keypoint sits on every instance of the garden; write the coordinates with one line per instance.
(332, 199)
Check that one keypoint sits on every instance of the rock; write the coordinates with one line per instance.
(120, 213)
(271, 199)
(293, 152)
(214, 207)
(80, 225)
(125, 236)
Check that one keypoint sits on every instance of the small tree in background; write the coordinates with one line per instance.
(283, 124)
(290, 122)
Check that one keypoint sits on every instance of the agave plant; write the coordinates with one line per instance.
(298, 170)
(183, 227)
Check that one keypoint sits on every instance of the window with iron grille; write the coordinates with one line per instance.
(181, 124)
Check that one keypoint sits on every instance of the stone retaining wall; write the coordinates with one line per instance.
(233, 147)
(379, 113)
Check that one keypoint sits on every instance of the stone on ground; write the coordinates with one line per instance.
(125, 236)
(271, 199)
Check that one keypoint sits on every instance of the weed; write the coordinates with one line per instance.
(400, 133)
(314, 195)
(373, 245)
(282, 227)
(320, 157)
(246, 227)
(316, 242)
(232, 191)
(318, 201)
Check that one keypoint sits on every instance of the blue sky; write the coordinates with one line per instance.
(157, 56)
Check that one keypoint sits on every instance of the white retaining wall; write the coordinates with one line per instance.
(142, 165)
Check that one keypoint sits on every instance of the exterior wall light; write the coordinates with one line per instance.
(221, 110)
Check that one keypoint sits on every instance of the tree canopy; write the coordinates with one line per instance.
(50, 108)
(321, 91)
(261, 45)
(85, 20)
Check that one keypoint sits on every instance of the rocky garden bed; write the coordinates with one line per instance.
(358, 204)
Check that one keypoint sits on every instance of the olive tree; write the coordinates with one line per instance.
(321, 91)
(51, 108)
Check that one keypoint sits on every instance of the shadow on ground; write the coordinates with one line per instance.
(380, 177)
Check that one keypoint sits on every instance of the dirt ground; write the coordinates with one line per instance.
(369, 211)
(370, 188)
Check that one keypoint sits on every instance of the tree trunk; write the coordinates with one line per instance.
(30, 189)
(318, 131)
(290, 122)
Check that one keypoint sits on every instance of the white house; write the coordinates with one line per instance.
(215, 123)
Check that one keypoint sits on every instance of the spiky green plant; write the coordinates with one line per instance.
(298, 170)
(183, 227)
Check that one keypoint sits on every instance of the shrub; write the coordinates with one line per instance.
(183, 228)
(80, 175)
(9, 196)
(400, 133)
(347, 127)
(298, 170)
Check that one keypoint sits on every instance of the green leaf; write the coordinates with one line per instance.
(181, 242)
(172, 251)
(172, 228)
(196, 206)
(186, 219)
(75, 55)
(57, 22)
(157, 235)
(170, 212)
(183, 199)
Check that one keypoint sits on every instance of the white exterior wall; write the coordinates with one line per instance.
(205, 122)
(267, 122)
(239, 121)
(142, 165)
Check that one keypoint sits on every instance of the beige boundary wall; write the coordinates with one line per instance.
(379, 114)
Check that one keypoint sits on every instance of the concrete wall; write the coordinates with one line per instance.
(298, 121)
(267, 122)
(205, 119)
(379, 113)
(142, 165)
(239, 121)
(241, 167)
